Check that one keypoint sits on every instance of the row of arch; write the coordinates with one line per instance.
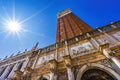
(93, 71)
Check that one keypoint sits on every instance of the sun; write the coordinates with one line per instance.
(13, 26)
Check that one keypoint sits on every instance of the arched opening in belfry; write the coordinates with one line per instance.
(96, 74)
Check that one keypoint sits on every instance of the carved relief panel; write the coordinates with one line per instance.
(44, 59)
(81, 48)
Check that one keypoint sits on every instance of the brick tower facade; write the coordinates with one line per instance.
(69, 26)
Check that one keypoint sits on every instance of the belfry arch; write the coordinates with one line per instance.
(96, 70)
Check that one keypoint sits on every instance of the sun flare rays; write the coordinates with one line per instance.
(13, 26)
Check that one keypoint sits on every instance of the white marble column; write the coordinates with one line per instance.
(70, 74)
(53, 75)
(14, 68)
(56, 52)
(116, 61)
(69, 67)
(5, 73)
(53, 69)
(25, 63)
(111, 55)
(33, 66)
(2, 71)
(23, 66)
(66, 48)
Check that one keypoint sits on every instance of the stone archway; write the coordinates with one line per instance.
(96, 68)
(96, 74)
(44, 79)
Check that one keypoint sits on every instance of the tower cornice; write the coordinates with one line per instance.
(63, 13)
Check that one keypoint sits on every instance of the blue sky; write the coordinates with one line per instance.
(40, 20)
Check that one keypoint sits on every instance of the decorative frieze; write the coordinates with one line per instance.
(86, 47)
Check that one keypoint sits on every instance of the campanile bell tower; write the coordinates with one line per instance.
(69, 26)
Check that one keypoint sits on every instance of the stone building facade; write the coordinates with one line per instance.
(80, 53)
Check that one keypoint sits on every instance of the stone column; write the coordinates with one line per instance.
(5, 72)
(66, 49)
(17, 75)
(14, 69)
(67, 59)
(111, 55)
(56, 52)
(53, 69)
(2, 71)
(37, 56)
(27, 73)
(25, 63)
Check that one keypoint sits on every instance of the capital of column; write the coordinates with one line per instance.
(17, 75)
(27, 70)
(53, 65)
(67, 60)
(104, 46)
(27, 73)
(108, 53)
